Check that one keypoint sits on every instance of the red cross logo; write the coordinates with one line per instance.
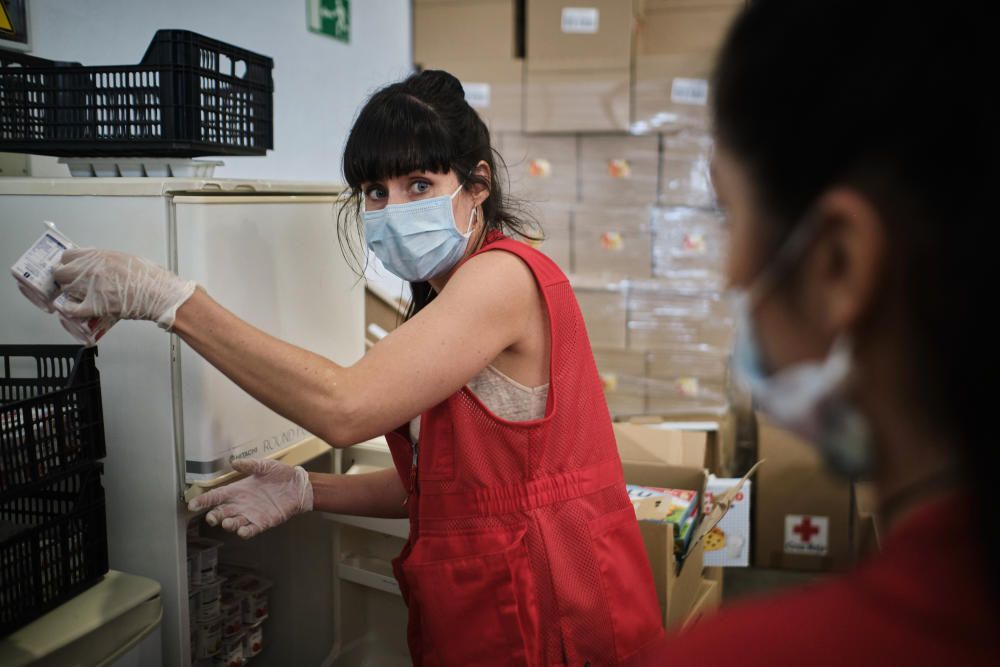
(806, 530)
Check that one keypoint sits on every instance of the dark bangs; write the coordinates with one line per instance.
(396, 134)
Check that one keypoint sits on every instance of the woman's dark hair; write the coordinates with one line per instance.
(890, 98)
(424, 123)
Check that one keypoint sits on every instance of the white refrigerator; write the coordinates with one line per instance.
(268, 251)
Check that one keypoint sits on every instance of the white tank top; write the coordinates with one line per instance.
(505, 397)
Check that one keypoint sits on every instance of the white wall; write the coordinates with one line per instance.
(320, 83)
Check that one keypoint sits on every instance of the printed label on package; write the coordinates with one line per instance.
(580, 20)
(477, 94)
(808, 535)
(689, 91)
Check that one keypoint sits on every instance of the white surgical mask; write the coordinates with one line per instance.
(810, 398)
(419, 240)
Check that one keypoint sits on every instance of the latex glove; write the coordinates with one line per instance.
(104, 283)
(272, 494)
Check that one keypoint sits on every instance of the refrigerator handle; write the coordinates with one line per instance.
(175, 382)
(175, 359)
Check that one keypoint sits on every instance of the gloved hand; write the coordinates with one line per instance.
(274, 493)
(101, 283)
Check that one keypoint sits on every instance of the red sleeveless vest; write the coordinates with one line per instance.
(524, 548)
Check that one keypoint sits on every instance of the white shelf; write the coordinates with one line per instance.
(369, 457)
(394, 527)
(370, 572)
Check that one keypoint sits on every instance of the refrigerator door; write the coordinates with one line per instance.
(144, 519)
(275, 261)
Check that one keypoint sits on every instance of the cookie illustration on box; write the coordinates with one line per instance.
(539, 168)
(619, 168)
(715, 540)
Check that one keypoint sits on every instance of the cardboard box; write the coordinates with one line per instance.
(867, 523)
(682, 395)
(714, 574)
(603, 309)
(663, 318)
(543, 170)
(555, 221)
(802, 513)
(685, 169)
(579, 36)
(687, 381)
(676, 44)
(708, 600)
(671, 92)
(657, 5)
(691, 443)
(646, 460)
(728, 544)
(690, 247)
(477, 42)
(381, 313)
(578, 65)
(493, 89)
(719, 429)
(577, 101)
(449, 32)
(681, 362)
(621, 374)
(619, 171)
(612, 243)
(695, 28)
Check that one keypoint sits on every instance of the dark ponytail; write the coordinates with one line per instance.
(424, 123)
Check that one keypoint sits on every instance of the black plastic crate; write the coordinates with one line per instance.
(191, 95)
(51, 415)
(53, 544)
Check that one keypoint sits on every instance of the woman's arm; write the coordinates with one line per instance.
(482, 311)
(377, 494)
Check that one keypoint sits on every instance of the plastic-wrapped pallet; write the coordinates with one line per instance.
(675, 45)
(612, 243)
(686, 386)
(659, 317)
(618, 370)
(689, 247)
(543, 169)
(555, 221)
(685, 175)
(619, 170)
(604, 308)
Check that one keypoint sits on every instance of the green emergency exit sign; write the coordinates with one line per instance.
(330, 17)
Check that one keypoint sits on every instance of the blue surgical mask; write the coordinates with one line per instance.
(810, 398)
(419, 240)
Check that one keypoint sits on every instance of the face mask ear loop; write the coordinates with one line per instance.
(790, 251)
(473, 218)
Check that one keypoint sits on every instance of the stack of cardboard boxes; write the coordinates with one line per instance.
(600, 111)
(478, 42)
(675, 46)
(611, 152)
(614, 160)
(677, 460)
(578, 66)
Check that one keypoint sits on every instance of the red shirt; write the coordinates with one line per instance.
(924, 600)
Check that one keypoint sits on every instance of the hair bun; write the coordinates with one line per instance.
(434, 82)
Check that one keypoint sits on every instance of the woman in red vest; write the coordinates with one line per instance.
(856, 155)
(524, 548)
